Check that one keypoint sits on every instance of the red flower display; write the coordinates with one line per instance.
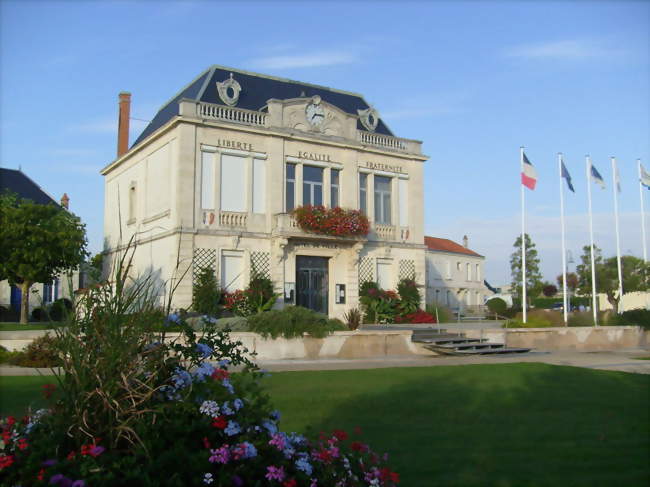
(332, 221)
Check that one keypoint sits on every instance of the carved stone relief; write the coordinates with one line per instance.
(229, 90)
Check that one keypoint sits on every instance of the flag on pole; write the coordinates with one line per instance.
(597, 178)
(644, 177)
(567, 177)
(528, 174)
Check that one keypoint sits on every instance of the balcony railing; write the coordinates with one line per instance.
(230, 114)
(233, 219)
(389, 142)
(384, 232)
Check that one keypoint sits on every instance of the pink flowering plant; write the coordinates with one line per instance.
(332, 221)
(170, 412)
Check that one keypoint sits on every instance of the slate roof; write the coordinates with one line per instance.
(446, 245)
(16, 181)
(257, 89)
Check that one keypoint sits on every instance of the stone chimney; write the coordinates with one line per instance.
(465, 241)
(123, 123)
(65, 201)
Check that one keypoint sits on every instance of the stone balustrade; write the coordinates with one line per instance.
(231, 114)
(384, 232)
(233, 219)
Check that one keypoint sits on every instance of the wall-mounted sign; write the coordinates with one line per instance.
(385, 167)
(315, 245)
(313, 156)
(234, 144)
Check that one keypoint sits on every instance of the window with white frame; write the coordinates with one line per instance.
(259, 186)
(290, 187)
(382, 200)
(447, 270)
(478, 272)
(207, 180)
(363, 193)
(334, 187)
(384, 274)
(403, 203)
(312, 185)
(232, 270)
(469, 271)
(233, 186)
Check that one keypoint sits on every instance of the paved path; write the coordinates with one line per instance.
(620, 360)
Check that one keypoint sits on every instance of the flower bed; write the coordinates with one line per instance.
(332, 221)
(140, 407)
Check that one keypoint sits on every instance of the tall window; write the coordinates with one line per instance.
(207, 180)
(382, 200)
(232, 270)
(384, 276)
(478, 272)
(312, 185)
(233, 187)
(334, 191)
(290, 187)
(363, 193)
(469, 272)
(259, 186)
(403, 203)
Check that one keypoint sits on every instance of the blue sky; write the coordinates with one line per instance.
(473, 80)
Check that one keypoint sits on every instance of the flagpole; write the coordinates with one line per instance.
(618, 240)
(645, 252)
(591, 238)
(564, 297)
(523, 238)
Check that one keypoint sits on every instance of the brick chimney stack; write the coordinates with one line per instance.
(123, 123)
(65, 201)
(465, 241)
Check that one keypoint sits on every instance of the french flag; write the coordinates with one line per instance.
(528, 174)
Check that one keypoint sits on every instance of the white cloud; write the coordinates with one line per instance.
(564, 49)
(308, 60)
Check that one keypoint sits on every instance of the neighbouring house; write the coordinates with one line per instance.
(17, 182)
(454, 274)
(213, 180)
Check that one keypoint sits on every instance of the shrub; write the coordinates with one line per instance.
(59, 309)
(498, 306)
(6, 356)
(633, 317)
(206, 293)
(581, 318)
(353, 318)
(41, 352)
(379, 306)
(292, 322)
(331, 221)
(549, 290)
(256, 298)
(409, 296)
(40, 314)
(532, 322)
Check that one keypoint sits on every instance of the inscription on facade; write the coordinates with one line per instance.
(310, 245)
(313, 156)
(234, 144)
(384, 167)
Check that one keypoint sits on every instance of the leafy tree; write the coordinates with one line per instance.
(549, 290)
(571, 281)
(533, 275)
(206, 293)
(36, 243)
(633, 270)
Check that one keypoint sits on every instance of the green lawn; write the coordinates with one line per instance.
(476, 425)
(13, 326)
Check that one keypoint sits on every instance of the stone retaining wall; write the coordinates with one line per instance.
(581, 338)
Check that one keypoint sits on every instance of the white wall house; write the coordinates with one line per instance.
(454, 274)
(212, 181)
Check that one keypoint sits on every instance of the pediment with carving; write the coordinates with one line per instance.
(314, 115)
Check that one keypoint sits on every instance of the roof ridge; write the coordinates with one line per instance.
(279, 78)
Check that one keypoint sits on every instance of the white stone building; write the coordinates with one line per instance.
(454, 274)
(213, 178)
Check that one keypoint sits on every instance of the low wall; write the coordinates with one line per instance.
(340, 344)
(581, 338)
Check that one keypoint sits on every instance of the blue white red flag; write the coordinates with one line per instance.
(528, 174)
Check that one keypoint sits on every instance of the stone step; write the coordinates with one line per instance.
(493, 351)
(449, 340)
(469, 346)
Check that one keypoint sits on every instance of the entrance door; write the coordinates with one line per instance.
(312, 282)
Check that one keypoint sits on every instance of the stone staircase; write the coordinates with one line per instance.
(440, 341)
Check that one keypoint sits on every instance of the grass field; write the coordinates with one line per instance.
(476, 425)
(13, 326)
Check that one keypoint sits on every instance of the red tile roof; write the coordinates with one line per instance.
(446, 245)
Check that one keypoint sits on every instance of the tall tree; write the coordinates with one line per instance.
(36, 243)
(571, 281)
(633, 269)
(533, 275)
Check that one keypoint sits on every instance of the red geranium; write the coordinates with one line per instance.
(332, 221)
